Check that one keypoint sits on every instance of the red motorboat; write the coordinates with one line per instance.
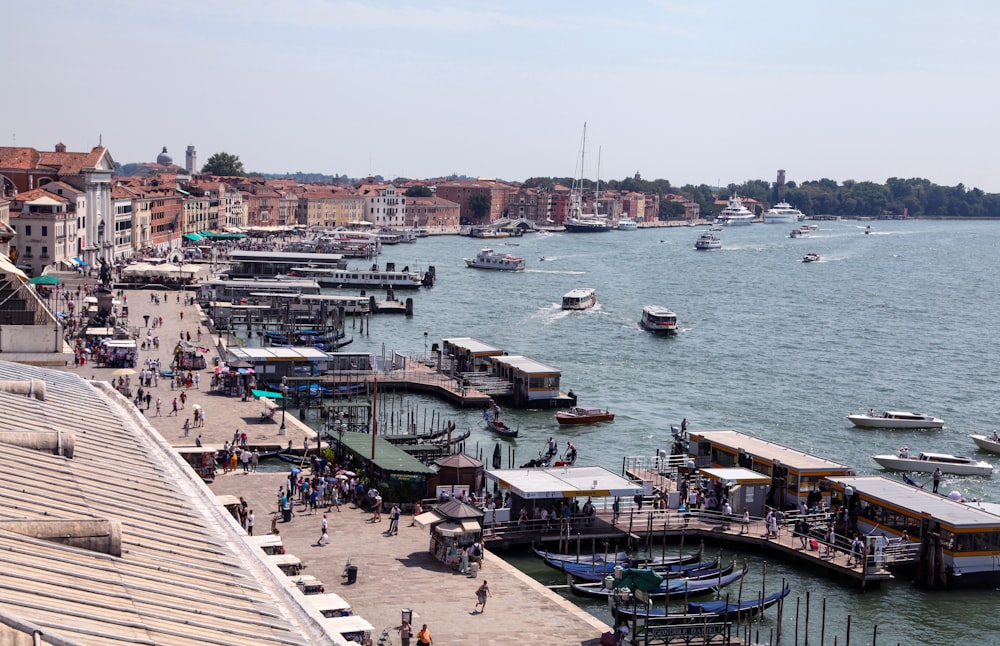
(584, 415)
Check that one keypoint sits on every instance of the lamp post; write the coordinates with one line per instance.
(284, 405)
(425, 342)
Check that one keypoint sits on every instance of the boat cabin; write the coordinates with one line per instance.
(580, 298)
(273, 363)
(467, 354)
(964, 536)
(248, 264)
(796, 476)
(533, 383)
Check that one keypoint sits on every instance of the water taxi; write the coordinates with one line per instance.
(929, 462)
(811, 257)
(991, 443)
(627, 224)
(658, 319)
(584, 415)
(489, 259)
(894, 419)
(801, 232)
(580, 298)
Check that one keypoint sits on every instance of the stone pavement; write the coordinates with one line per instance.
(393, 572)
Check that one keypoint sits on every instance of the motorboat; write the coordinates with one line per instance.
(782, 213)
(580, 298)
(658, 319)
(929, 462)
(894, 419)
(708, 242)
(584, 415)
(987, 443)
(810, 257)
(627, 224)
(735, 214)
(489, 259)
(801, 232)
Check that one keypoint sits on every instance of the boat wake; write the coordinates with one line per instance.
(567, 272)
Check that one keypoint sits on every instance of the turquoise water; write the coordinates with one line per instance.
(902, 318)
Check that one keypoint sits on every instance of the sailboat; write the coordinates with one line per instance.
(578, 221)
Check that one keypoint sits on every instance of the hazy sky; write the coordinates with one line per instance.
(694, 92)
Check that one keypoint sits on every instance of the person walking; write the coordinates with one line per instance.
(159, 402)
(324, 537)
(393, 520)
(404, 631)
(250, 519)
(424, 636)
(481, 594)
(174, 410)
(936, 476)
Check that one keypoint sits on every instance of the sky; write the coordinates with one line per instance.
(692, 92)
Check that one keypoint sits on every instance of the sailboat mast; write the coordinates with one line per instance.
(597, 190)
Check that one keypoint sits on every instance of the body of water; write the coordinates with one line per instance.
(900, 318)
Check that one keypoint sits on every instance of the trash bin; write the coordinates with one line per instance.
(286, 514)
(473, 570)
(352, 574)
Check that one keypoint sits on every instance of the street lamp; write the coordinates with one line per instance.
(284, 405)
(425, 341)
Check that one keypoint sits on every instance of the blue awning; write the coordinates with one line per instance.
(80, 262)
(193, 237)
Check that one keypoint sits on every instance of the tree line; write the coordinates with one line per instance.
(918, 196)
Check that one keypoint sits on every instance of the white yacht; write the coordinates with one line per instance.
(735, 213)
(658, 319)
(627, 224)
(782, 213)
(489, 259)
(580, 298)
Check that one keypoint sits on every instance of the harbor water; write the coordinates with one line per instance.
(900, 318)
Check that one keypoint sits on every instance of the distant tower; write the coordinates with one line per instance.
(191, 160)
(164, 158)
(781, 177)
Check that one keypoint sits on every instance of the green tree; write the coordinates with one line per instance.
(419, 191)
(224, 164)
(480, 204)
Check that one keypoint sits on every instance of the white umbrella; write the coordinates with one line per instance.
(341, 477)
(121, 372)
(196, 406)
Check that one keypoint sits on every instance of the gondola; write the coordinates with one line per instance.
(741, 609)
(597, 571)
(616, 558)
(672, 588)
(500, 428)
(704, 610)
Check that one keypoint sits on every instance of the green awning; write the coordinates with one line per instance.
(267, 394)
(193, 237)
(44, 280)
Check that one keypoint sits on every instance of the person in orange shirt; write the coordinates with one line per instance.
(424, 637)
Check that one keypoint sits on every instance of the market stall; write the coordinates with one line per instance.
(454, 525)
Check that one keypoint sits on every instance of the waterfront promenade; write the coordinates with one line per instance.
(393, 572)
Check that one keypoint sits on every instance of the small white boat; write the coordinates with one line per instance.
(895, 419)
(708, 242)
(658, 319)
(580, 298)
(489, 259)
(801, 232)
(627, 224)
(811, 257)
(987, 443)
(928, 462)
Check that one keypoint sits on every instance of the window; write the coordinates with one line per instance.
(27, 252)
(45, 234)
(27, 232)
(45, 252)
